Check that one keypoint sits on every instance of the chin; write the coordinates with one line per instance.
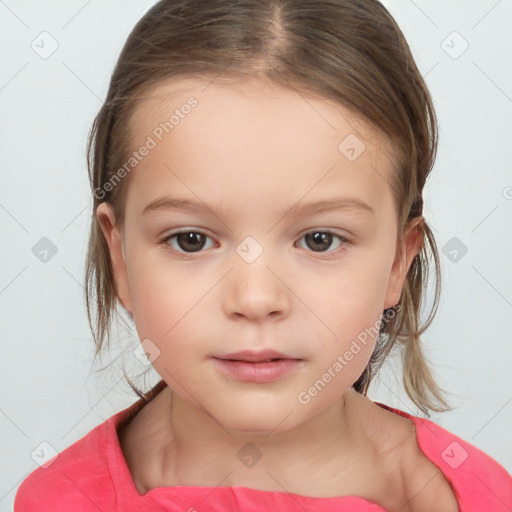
(252, 432)
(264, 424)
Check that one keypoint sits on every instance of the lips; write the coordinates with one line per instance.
(257, 372)
(255, 357)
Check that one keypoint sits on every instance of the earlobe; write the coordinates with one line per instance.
(110, 230)
(412, 243)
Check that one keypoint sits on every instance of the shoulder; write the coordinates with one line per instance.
(78, 478)
(476, 479)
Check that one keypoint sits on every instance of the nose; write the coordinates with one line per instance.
(254, 291)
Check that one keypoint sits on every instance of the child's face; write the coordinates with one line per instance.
(251, 152)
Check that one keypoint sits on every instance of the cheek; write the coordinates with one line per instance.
(350, 309)
(162, 290)
(171, 307)
(354, 299)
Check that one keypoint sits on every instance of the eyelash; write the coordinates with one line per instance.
(324, 255)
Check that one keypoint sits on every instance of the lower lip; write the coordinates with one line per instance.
(257, 372)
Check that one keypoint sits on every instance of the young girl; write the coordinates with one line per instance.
(257, 171)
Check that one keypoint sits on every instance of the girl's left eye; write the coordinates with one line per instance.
(189, 242)
(323, 240)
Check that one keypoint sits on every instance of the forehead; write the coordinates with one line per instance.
(216, 133)
(247, 95)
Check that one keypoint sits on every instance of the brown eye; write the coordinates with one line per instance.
(321, 241)
(187, 241)
(318, 241)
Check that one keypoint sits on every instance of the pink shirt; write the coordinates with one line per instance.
(92, 475)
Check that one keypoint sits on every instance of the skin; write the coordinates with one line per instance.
(255, 150)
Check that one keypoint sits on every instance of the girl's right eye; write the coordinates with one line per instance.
(188, 241)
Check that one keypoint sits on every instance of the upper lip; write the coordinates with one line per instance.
(253, 356)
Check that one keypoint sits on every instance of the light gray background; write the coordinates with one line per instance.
(49, 392)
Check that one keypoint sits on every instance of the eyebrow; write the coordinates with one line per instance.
(298, 210)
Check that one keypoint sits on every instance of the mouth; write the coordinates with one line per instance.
(259, 361)
(257, 371)
(266, 356)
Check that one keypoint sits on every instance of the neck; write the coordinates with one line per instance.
(200, 451)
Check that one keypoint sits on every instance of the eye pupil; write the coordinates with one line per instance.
(319, 237)
(190, 240)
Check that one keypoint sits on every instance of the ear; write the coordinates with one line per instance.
(413, 242)
(107, 222)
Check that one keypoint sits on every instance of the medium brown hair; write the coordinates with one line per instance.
(349, 51)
